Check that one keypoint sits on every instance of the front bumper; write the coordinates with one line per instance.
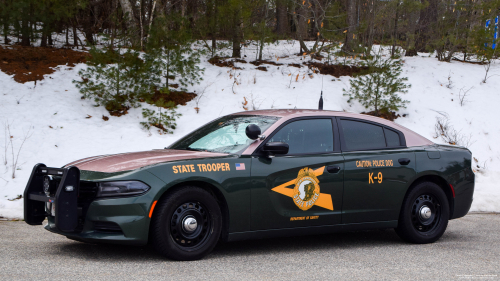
(119, 221)
(79, 215)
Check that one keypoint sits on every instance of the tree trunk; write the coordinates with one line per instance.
(428, 16)
(25, 27)
(129, 20)
(67, 36)
(151, 18)
(410, 35)
(43, 41)
(75, 36)
(395, 33)
(236, 43)
(6, 27)
(299, 27)
(5, 35)
(236, 34)
(302, 22)
(281, 18)
(368, 44)
(214, 45)
(351, 26)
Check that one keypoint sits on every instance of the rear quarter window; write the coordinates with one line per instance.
(392, 138)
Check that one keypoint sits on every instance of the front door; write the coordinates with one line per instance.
(303, 187)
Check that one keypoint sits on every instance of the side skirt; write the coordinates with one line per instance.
(311, 230)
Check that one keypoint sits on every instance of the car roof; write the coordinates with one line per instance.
(412, 138)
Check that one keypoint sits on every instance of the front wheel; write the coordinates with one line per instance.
(186, 225)
(424, 215)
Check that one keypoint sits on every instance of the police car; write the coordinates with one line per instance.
(258, 174)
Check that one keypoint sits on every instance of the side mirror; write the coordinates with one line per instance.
(253, 131)
(276, 148)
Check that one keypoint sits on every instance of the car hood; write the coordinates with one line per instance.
(130, 161)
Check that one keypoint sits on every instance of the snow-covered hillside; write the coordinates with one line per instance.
(60, 130)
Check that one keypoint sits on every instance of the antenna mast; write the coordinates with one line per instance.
(320, 106)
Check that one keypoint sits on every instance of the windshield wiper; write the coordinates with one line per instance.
(192, 149)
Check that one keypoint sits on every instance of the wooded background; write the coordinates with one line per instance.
(447, 27)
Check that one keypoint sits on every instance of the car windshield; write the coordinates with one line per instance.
(224, 135)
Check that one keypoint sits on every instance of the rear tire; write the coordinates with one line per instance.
(186, 224)
(424, 215)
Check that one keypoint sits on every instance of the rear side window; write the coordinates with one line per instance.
(364, 136)
(360, 135)
(306, 136)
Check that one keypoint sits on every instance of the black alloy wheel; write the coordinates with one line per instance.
(186, 224)
(424, 214)
(190, 226)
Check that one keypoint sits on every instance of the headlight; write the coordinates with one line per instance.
(121, 188)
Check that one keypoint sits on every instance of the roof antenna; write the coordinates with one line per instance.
(320, 106)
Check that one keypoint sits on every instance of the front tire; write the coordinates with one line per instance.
(424, 215)
(186, 224)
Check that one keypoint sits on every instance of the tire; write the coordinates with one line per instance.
(173, 232)
(418, 224)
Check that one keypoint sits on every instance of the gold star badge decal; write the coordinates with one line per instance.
(305, 193)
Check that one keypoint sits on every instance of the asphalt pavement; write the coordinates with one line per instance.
(469, 250)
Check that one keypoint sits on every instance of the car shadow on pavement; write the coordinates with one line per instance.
(297, 244)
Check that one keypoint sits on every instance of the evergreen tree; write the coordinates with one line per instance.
(116, 80)
(171, 55)
(163, 119)
(380, 89)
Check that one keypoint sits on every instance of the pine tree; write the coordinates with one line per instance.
(170, 53)
(380, 89)
(163, 119)
(116, 80)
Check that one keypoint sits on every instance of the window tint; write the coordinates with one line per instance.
(307, 136)
(360, 135)
(392, 138)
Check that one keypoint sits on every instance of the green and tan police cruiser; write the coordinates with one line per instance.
(258, 174)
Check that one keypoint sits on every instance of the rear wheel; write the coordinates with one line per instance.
(186, 224)
(424, 214)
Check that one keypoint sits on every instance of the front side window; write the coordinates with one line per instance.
(307, 136)
(224, 135)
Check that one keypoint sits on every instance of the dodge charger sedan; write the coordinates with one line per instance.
(258, 174)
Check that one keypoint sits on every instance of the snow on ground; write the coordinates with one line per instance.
(54, 116)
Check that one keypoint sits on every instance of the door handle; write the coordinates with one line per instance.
(404, 161)
(333, 169)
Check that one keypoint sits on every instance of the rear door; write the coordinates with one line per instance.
(378, 168)
(303, 187)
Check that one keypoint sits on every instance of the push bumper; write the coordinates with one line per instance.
(122, 220)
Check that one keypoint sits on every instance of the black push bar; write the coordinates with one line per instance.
(65, 197)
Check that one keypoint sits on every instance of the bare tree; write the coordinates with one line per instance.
(488, 60)
(462, 95)
(449, 134)
(6, 144)
(15, 155)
